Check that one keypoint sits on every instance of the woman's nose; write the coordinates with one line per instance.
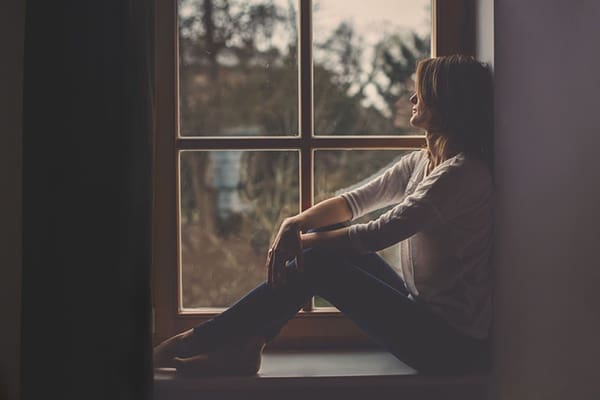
(413, 99)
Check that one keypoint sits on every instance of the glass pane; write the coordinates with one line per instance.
(231, 204)
(339, 171)
(365, 56)
(238, 73)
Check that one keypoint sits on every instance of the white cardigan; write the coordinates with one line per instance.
(444, 222)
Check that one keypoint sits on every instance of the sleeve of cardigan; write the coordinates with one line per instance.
(385, 189)
(434, 200)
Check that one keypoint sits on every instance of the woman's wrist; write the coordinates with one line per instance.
(298, 222)
(334, 239)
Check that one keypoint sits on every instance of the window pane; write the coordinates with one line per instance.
(238, 73)
(231, 204)
(339, 171)
(365, 55)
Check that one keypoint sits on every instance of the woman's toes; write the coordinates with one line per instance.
(197, 363)
(168, 349)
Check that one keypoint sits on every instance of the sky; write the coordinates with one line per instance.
(374, 16)
(371, 19)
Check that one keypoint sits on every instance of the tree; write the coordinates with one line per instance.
(234, 80)
(239, 77)
(396, 59)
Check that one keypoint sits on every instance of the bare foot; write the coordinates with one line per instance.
(172, 347)
(240, 358)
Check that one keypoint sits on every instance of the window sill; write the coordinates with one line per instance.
(320, 374)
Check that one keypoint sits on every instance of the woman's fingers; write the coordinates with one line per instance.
(273, 268)
(190, 361)
(270, 267)
(278, 268)
(299, 255)
(286, 245)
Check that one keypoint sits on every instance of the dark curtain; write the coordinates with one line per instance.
(87, 168)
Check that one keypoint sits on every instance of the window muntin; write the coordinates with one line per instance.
(222, 227)
(452, 32)
(241, 84)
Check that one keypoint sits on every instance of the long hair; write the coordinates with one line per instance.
(459, 92)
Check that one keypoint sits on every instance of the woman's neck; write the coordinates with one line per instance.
(439, 149)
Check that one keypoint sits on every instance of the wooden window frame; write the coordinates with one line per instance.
(453, 31)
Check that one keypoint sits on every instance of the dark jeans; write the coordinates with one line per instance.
(367, 290)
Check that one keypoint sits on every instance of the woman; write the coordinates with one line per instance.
(438, 312)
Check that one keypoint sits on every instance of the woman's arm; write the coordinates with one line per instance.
(386, 188)
(289, 241)
(335, 239)
(328, 212)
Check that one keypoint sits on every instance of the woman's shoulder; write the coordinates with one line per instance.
(462, 174)
(418, 155)
(406, 164)
(460, 184)
(413, 158)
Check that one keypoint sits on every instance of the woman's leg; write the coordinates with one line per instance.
(369, 294)
(374, 265)
(408, 329)
(232, 341)
(254, 314)
(264, 311)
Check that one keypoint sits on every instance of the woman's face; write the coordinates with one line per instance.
(421, 115)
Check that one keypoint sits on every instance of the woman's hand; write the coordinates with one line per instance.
(287, 245)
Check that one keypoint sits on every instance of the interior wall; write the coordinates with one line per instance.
(484, 41)
(547, 144)
(11, 78)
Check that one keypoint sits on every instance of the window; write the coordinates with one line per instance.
(264, 108)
